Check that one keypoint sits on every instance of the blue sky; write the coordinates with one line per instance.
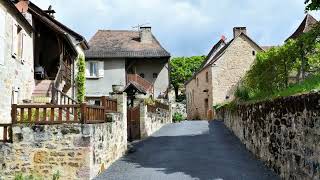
(184, 27)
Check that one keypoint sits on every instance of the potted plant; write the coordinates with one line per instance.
(117, 88)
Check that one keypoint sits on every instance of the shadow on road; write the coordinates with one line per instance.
(207, 154)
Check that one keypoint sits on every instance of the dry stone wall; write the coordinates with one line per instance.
(284, 133)
(150, 122)
(76, 151)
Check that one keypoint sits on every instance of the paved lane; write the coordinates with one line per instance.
(195, 150)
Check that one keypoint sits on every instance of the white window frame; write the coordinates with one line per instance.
(90, 73)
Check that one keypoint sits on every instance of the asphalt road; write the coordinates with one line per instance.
(195, 150)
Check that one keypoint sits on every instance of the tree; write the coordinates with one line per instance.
(182, 69)
(312, 5)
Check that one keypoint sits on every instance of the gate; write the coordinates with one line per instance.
(133, 123)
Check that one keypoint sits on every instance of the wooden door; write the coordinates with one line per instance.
(133, 123)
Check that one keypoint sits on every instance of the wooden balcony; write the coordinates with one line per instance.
(148, 86)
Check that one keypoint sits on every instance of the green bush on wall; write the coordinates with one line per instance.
(81, 79)
(177, 117)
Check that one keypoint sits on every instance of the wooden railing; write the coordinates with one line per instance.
(45, 114)
(58, 114)
(93, 114)
(60, 98)
(66, 72)
(6, 130)
(148, 86)
(153, 108)
(109, 104)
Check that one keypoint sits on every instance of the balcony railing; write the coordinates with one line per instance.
(148, 86)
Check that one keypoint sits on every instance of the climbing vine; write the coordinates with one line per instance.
(81, 79)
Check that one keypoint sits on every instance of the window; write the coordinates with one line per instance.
(253, 53)
(97, 102)
(93, 69)
(207, 76)
(142, 75)
(155, 75)
(197, 81)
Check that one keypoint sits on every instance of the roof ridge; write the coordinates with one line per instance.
(117, 30)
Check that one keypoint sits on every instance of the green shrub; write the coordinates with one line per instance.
(177, 117)
(242, 93)
(20, 176)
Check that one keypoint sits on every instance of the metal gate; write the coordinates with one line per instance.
(133, 123)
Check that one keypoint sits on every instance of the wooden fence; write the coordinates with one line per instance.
(6, 130)
(58, 114)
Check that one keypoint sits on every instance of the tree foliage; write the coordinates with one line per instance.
(183, 68)
(277, 68)
(312, 5)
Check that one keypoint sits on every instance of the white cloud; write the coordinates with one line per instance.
(184, 27)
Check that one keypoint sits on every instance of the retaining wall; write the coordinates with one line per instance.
(284, 133)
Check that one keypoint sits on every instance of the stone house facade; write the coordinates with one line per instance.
(16, 59)
(217, 79)
(56, 51)
(120, 57)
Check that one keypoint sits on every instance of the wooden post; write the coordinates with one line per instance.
(104, 101)
(5, 134)
(83, 113)
(14, 113)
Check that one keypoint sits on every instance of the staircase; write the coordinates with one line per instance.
(42, 92)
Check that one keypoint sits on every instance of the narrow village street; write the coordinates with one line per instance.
(189, 150)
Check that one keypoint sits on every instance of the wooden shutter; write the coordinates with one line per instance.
(101, 69)
(14, 48)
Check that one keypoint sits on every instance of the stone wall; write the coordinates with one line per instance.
(77, 151)
(180, 108)
(16, 74)
(150, 122)
(284, 133)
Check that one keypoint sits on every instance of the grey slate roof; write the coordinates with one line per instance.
(123, 44)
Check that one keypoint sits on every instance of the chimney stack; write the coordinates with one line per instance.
(238, 30)
(22, 6)
(145, 35)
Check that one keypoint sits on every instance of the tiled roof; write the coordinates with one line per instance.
(111, 43)
(136, 86)
(56, 25)
(265, 48)
(306, 25)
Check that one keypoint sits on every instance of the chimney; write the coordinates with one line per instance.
(238, 30)
(145, 35)
(22, 6)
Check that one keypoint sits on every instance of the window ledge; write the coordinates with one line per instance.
(93, 78)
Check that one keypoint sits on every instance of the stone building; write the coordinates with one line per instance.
(131, 60)
(217, 79)
(56, 51)
(16, 59)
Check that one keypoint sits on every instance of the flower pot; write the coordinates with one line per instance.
(117, 88)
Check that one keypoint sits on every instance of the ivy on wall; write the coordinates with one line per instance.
(81, 79)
